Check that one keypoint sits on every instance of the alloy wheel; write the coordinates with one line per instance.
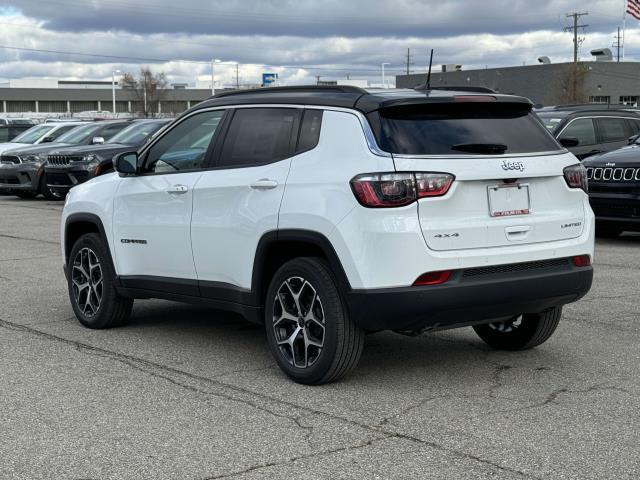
(299, 322)
(87, 284)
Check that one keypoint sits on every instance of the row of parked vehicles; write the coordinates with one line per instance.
(50, 158)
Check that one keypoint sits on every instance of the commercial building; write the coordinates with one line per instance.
(67, 97)
(546, 84)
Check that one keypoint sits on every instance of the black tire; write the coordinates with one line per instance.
(607, 231)
(112, 309)
(25, 195)
(342, 340)
(46, 191)
(532, 330)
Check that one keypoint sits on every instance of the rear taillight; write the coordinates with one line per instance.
(385, 190)
(576, 177)
(433, 278)
(582, 261)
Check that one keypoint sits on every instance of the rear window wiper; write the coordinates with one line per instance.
(482, 148)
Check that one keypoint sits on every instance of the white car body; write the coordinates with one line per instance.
(206, 226)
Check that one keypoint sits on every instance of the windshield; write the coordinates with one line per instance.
(137, 133)
(551, 120)
(33, 134)
(79, 134)
(19, 121)
(481, 128)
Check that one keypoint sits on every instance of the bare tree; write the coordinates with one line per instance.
(149, 90)
(570, 86)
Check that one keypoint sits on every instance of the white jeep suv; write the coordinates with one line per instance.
(326, 213)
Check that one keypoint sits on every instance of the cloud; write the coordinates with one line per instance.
(297, 39)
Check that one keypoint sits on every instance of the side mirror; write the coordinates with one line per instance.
(633, 139)
(47, 140)
(126, 163)
(569, 142)
(97, 141)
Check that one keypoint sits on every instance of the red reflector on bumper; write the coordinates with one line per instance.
(433, 278)
(582, 260)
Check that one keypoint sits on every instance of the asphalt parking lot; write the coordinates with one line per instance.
(187, 392)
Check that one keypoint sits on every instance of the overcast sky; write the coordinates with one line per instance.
(297, 39)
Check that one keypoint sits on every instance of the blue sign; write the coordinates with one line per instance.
(269, 78)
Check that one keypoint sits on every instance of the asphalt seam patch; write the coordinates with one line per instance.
(137, 363)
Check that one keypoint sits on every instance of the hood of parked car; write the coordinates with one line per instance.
(626, 156)
(106, 150)
(37, 149)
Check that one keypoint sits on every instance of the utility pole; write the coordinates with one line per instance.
(618, 44)
(408, 60)
(576, 41)
(237, 76)
(317, 79)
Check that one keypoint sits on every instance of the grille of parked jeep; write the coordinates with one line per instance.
(63, 159)
(10, 159)
(555, 263)
(611, 174)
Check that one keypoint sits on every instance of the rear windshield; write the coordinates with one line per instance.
(461, 129)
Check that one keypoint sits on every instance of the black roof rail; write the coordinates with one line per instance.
(295, 89)
(454, 88)
(593, 106)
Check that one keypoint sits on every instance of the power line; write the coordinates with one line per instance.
(200, 62)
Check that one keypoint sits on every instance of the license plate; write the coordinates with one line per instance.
(508, 200)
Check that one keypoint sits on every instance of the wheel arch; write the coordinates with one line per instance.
(277, 247)
(79, 224)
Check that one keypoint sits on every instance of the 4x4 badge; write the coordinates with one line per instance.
(513, 166)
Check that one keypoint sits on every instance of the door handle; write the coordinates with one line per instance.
(178, 189)
(264, 184)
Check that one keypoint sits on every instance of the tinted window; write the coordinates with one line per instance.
(79, 134)
(4, 134)
(582, 130)
(184, 147)
(258, 136)
(137, 133)
(110, 130)
(461, 129)
(634, 125)
(309, 130)
(613, 129)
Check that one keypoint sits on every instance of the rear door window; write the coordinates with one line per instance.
(582, 130)
(461, 129)
(309, 130)
(612, 129)
(258, 136)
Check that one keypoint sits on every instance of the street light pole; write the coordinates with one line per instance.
(113, 91)
(213, 75)
(383, 80)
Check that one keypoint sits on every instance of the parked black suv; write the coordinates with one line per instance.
(22, 169)
(68, 167)
(614, 190)
(591, 130)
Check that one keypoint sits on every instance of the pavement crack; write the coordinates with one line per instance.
(238, 394)
(15, 237)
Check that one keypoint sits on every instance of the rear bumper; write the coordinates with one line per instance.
(469, 299)
(19, 177)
